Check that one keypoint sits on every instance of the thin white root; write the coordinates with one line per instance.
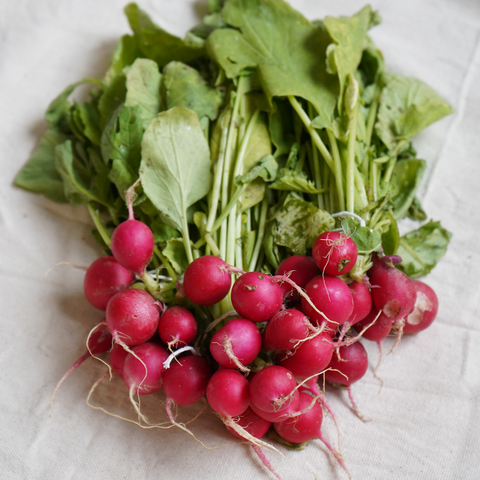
(355, 408)
(90, 352)
(229, 422)
(173, 356)
(70, 264)
(228, 347)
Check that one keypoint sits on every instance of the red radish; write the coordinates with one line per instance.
(392, 291)
(306, 426)
(425, 311)
(279, 416)
(177, 327)
(257, 296)
(334, 253)
(147, 377)
(99, 341)
(310, 357)
(285, 329)
(252, 423)
(185, 382)
(331, 296)
(353, 365)
(132, 316)
(227, 393)
(302, 269)
(236, 344)
(117, 358)
(272, 389)
(206, 280)
(104, 278)
(362, 302)
(379, 330)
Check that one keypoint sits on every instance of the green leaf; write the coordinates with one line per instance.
(266, 169)
(186, 88)
(299, 223)
(407, 106)
(113, 96)
(416, 211)
(391, 237)
(74, 188)
(348, 34)
(406, 179)
(175, 165)
(284, 46)
(175, 252)
(157, 44)
(423, 248)
(39, 175)
(124, 55)
(367, 240)
(281, 127)
(163, 233)
(294, 181)
(143, 89)
(90, 119)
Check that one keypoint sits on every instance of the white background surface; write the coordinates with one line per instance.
(426, 419)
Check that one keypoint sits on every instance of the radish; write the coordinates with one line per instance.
(99, 341)
(379, 330)
(362, 302)
(227, 393)
(285, 329)
(252, 423)
(331, 296)
(425, 310)
(392, 290)
(334, 253)
(177, 327)
(132, 316)
(279, 416)
(257, 296)
(132, 242)
(305, 426)
(302, 269)
(311, 357)
(185, 382)
(143, 369)
(273, 389)
(236, 344)
(104, 278)
(206, 280)
(352, 363)
(117, 358)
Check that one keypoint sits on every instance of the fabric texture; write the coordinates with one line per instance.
(425, 418)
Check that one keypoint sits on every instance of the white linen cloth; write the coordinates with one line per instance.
(425, 421)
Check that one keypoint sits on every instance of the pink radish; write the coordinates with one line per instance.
(332, 297)
(185, 382)
(362, 302)
(132, 316)
(256, 296)
(425, 310)
(252, 423)
(279, 416)
(177, 327)
(272, 389)
(285, 329)
(379, 330)
(302, 269)
(147, 377)
(104, 278)
(227, 393)
(311, 357)
(334, 253)
(206, 280)
(392, 290)
(236, 344)
(117, 358)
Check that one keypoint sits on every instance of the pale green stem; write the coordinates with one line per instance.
(98, 223)
(186, 238)
(361, 199)
(311, 130)
(316, 167)
(238, 244)
(337, 171)
(351, 167)
(165, 262)
(261, 234)
(212, 245)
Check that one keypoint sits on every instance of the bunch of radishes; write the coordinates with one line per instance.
(259, 364)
